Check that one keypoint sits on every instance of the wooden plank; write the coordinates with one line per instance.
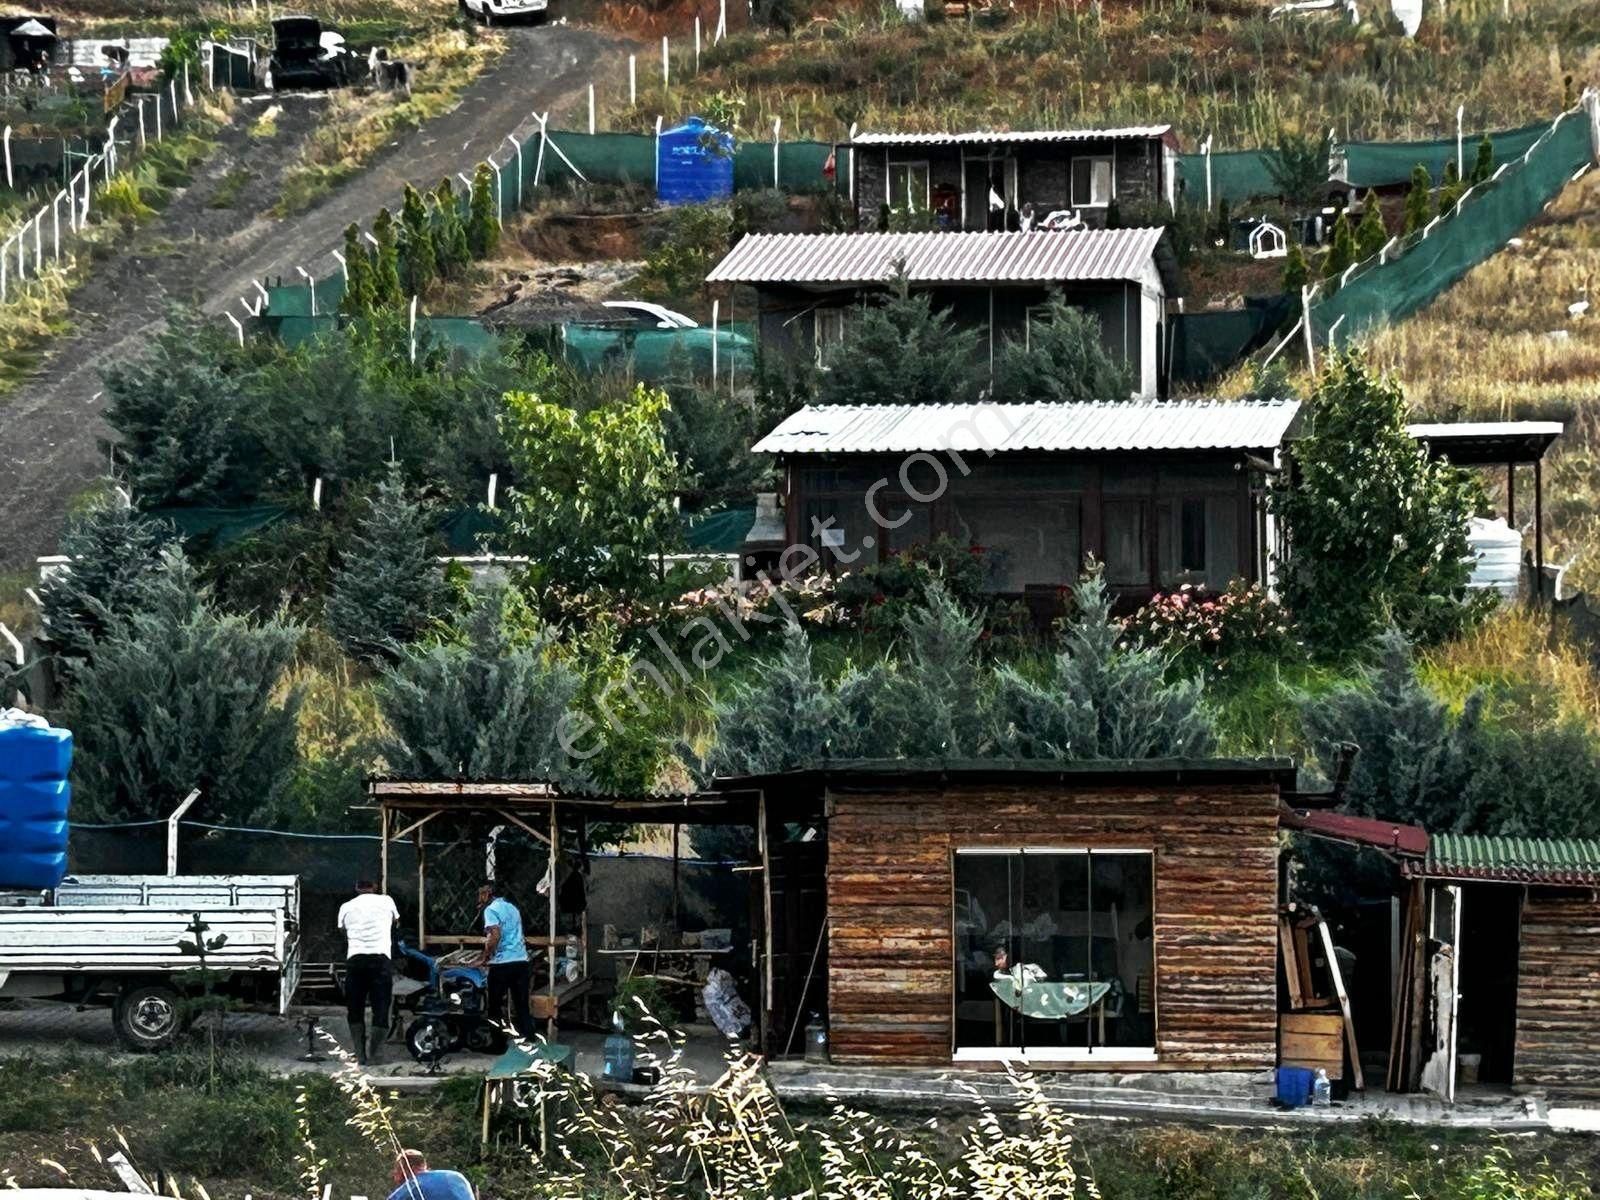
(1291, 967)
(1344, 1006)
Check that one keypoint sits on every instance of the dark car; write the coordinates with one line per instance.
(305, 55)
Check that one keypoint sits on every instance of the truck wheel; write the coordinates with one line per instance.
(147, 1017)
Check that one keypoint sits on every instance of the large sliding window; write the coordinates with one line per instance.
(1055, 954)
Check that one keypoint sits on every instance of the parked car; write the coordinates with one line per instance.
(488, 11)
(653, 339)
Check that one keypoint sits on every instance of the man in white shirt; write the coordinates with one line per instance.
(368, 922)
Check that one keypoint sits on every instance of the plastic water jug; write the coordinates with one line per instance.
(1321, 1090)
(617, 1056)
(34, 797)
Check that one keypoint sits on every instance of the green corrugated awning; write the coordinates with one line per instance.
(1553, 861)
(719, 531)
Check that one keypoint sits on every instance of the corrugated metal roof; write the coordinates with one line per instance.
(1483, 429)
(986, 137)
(1555, 861)
(1406, 840)
(863, 258)
(1102, 426)
(1493, 443)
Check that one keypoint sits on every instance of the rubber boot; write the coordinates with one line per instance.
(358, 1035)
(375, 1050)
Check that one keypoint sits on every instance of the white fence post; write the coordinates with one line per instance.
(158, 117)
(142, 138)
(716, 306)
(3, 269)
(697, 45)
(413, 329)
(55, 223)
(658, 153)
(591, 110)
(6, 140)
(517, 146)
(172, 94)
(633, 81)
(237, 328)
(722, 21)
(666, 65)
(499, 190)
(777, 125)
(38, 242)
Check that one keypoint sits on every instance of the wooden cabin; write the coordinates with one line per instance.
(987, 180)
(1161, 493)
(811, 287)
(1080, 916)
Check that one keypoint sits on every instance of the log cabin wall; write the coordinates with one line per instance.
(891, 936)
(1558, 994)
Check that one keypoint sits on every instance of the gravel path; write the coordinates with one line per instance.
(51, 435)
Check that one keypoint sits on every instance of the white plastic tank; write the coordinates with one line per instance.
(1498, 550)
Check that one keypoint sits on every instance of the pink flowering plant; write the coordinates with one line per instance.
(1217, 627)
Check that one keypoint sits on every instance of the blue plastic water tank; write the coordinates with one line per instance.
(694, 164)
(1294, 1086)
(34, 796)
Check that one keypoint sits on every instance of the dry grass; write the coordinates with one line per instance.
(1221, 68)
(358, 20)
(1517, 650)
(358, 124)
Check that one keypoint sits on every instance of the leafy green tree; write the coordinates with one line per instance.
(388, 589)
(1419, 200)
(175, 696)
(1371, 235)
(1296, 271)
(449, 231)
(418, 258)
(483, 221)
(1483, 164)
(1342, 252)
(901, 350)
(1377, 530)
(1103, 698)
(386, 289)
(1065, 358)
(710, 433)
(1298, 165)
(113, 548)
(1451, 189)
(359, 281)
(594, 497)
(488, 705)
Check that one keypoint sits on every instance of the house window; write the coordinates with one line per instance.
(1200, 541)
(1054, 953)
(1126, 543)
(1026, 542)
(828, 332)
(908, 186)
(1093, 183)
(1192, 536)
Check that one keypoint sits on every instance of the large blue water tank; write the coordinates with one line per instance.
(694, 164)
(34, 795)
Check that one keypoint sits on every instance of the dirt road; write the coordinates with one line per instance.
(216, 236)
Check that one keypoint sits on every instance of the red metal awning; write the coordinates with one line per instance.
(1409, 841)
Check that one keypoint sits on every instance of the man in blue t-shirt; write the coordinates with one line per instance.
(505, 953)
(414, 1180)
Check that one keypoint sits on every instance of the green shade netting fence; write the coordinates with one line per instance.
(1235, 175)
(1205, 344)
(720, 531)
(1492, 213)
(630, 158)
(656, 355)
(220, 526)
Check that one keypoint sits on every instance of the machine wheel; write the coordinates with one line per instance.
(484, 1038)
(429, 1039)
(147, 1017)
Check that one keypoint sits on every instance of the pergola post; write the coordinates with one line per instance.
(1511, 494)
(550, 951)
(422, 890)
(1538, 527)
(383, 848)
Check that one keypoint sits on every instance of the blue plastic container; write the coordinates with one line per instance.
(694, 164)
(34, 797)
(1295, 1085)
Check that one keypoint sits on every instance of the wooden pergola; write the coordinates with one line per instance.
(408, 807)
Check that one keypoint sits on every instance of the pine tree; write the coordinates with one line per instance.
(388, 590)
(177, 695)
(1104, 698)
(491, 704)
(1451, 189)
(1065, 359)
(357, 299)
(1418, 200)
(1371, 235)
(1483, 165)
(450, 231)
(386, 291)
(1342, 252)
(932, 703)
(111, 548)
(785, 718)
(1296, 271)
(418, 261)
(483, 223)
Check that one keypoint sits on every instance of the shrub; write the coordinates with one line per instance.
(483, 218)
(386, 286)
(1298, 165)
(419, 262)
(900, 350)
(1418, 200)
(1064, 359)
(692, 240)
(1244, 621)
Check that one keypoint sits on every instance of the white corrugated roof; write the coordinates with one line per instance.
(1099, 426)
(993, 136)
(1485, 429)
(861, 258)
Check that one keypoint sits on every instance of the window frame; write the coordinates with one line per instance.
(908, 165)
(834, 315)
(1111, 176)
(1047, 1055)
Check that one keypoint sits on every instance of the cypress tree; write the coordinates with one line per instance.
(1418, 200)
(1451, 189)
(785, 717)
(1342, 253)
(450, 231)
(388, 590)
(1296, 271)
(1371, 234)
(357, 299)
(386, 263)
(483, 225)
(1483, 165)
(418, 263)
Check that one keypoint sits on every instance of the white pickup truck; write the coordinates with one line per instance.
(117, 940)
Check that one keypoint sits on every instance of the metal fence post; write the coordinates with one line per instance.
(5, 139)
(517, 146)
(591, 110)
(666, 71)
(633, 81)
